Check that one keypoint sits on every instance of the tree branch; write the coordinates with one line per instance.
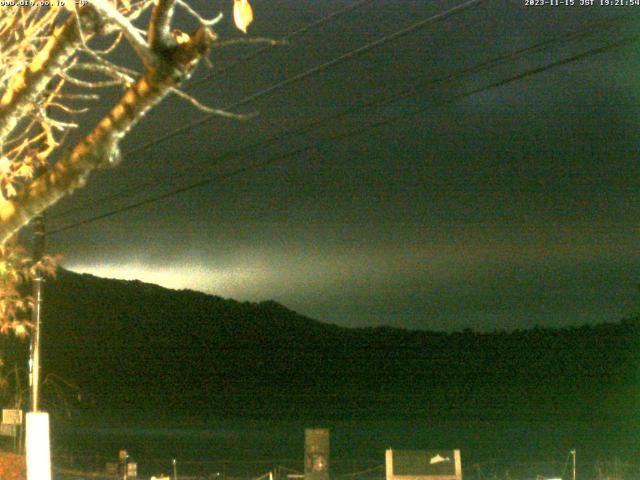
(24, 89)
(130, 32)
(159, 34)
(203, 21)
(214, 111)
(100, 147)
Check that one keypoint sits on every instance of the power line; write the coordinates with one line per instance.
(286, 38)
(580, 56)
(355, 132)
(309, 72)
(314, 70)
(352, 133)
(496, 61)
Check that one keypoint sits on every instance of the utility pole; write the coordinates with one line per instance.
(37, 430)
(573, 453)
(38, 251)
(38, 445)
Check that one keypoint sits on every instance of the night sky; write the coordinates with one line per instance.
(511, 207)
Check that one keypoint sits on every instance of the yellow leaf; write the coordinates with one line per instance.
(21, 331)
(11, 191)
(242, 14)
(5, 165)
(25, 170)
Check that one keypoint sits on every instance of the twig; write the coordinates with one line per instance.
(202, 20)
(130, 32)
(214, 111)
(123, 75)
(239, 41)
(64, 108)
(87, 84)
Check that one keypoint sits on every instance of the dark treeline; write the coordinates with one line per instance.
(130, 347)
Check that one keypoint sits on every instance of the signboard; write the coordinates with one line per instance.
(316, 454)
(132, 469)
(423, 465)
(11, 416)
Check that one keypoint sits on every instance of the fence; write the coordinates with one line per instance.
(75, 468)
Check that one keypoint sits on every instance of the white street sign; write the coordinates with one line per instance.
(11, 416)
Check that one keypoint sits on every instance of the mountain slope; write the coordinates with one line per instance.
(137, 347)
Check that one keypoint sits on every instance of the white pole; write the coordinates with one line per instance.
(38, 446)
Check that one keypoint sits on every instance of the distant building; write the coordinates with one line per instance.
(316, 454)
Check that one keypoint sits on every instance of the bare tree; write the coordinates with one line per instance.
(50, 69)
